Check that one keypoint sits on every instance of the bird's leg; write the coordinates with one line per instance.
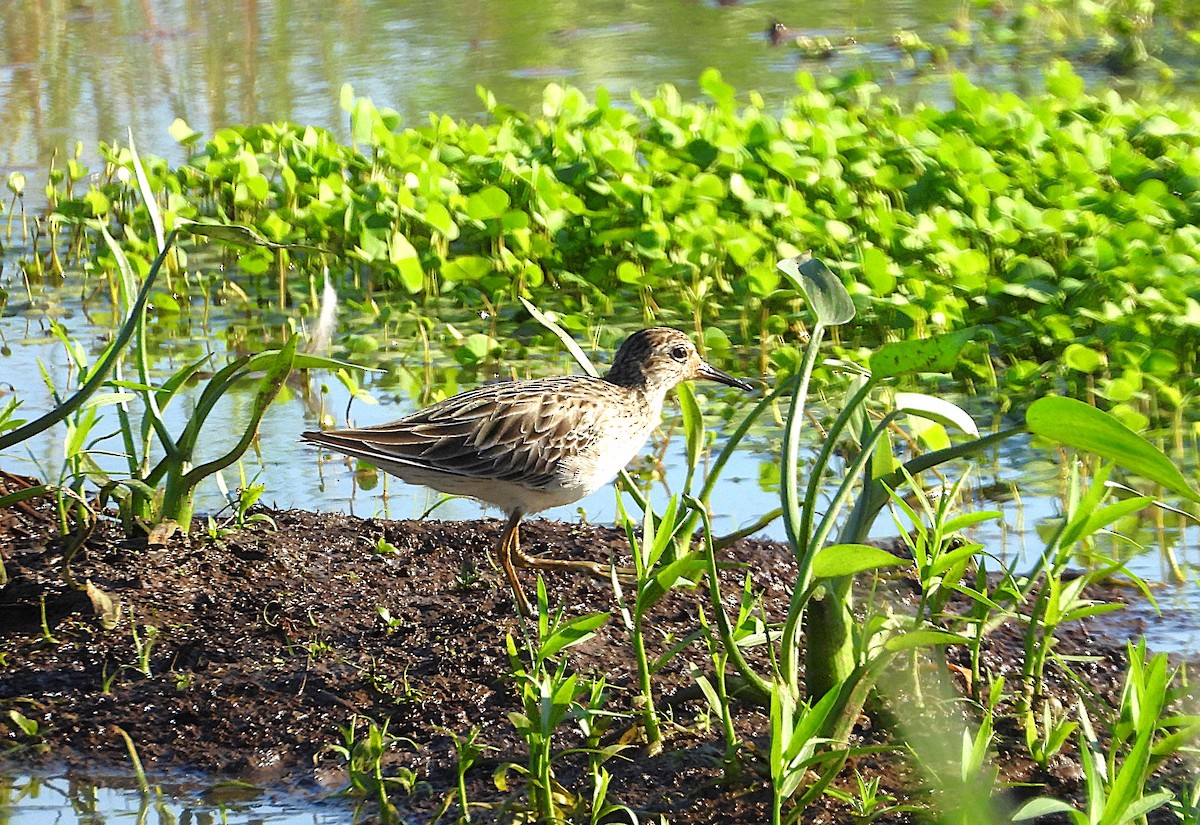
(509, 545)
(600, 571)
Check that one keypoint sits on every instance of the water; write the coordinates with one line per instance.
(93, 798)
(89, 71)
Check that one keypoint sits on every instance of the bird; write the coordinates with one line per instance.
(526, 446)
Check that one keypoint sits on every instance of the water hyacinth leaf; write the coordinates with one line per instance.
(16, 183)
(1082, 359)
(1076, 424)
(839, 560)
(404, 255)
(936, 409)
(938, 353)
(466, 268)
(438, 216)
(826, 295)
(487, 204)
(182, 133)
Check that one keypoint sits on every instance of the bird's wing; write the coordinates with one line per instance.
(506, 432)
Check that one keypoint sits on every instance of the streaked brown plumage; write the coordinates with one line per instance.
(526, 446)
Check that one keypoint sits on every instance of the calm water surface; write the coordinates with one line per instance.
(88, 71)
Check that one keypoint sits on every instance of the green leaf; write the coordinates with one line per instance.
(404, 256)
(438, 216)
(236, 234)
(1082, 359)
(847, 559)
(1039, 807)
(466, 268)
(101, 370)
(28, 726)
(926, 637)
(576, 352)
(938, 353)
(826, 294)
(1084, 427)
(181, 132)
(936, 409)
(572, 633)
(487, 204)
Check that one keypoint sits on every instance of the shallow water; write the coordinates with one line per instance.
(89, 71)
(42, 799)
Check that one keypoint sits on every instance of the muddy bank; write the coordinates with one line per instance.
(268, 641)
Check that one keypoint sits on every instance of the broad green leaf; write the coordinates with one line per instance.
(938, 353)
(826, 294)
(487, 204)
(1084, 427)
(404, 256)
(936, 409)
(1082, 359)
(466, 268)
(847, 559)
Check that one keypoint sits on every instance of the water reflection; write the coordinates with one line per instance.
(67, 796)
(86, 72)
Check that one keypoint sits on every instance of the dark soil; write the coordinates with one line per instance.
(270, 640)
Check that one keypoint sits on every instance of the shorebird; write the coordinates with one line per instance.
(526, 446)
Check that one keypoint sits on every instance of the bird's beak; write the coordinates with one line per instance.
(706, 370)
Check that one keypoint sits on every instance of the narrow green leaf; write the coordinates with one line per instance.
(576, 352)
(1041, 806)
(847, 559)
(101, 370)
(237, 235)
(965, 520)
(926, 637)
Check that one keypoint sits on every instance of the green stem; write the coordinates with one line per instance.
(793, 517)
(649, 717)
(759, 687)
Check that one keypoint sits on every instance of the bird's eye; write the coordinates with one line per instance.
(679, 353)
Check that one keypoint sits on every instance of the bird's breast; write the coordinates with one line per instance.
(614, 444)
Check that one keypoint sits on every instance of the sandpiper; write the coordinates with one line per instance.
(525, 446)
